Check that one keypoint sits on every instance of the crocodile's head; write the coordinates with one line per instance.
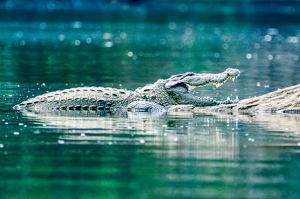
(180, 85)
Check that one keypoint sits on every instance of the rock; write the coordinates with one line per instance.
(181, 108)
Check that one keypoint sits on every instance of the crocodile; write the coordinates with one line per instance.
(153, 97)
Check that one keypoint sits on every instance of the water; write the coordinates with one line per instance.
(126, 155)
(82, 154)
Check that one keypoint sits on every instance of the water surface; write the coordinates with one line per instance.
(86, 154)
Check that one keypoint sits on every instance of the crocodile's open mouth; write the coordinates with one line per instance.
(188, 81)
(188, 87)
(217, 83)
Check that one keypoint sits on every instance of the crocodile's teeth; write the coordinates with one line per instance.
(218, 84)
(233, 79)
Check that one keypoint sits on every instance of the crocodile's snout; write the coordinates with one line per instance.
(232, 72)
(192, 80)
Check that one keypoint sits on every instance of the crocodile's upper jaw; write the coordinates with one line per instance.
(188, 81)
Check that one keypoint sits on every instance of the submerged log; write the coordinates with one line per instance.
(285, 100)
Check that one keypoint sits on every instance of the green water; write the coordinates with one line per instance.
(81, 154)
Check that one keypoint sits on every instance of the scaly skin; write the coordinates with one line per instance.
(172, 91)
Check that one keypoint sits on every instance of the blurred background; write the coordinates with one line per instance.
(51, 45)
(127, 43)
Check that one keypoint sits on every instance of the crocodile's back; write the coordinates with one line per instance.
(79, 98)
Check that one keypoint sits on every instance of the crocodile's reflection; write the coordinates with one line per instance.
(268, 121)
(173, 134)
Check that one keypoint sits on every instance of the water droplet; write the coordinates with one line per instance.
(21, 124)
(123, 35)
(289, 10)
(77, 42)
(43, 25)
(23, 43)
(130, 54)
(107, 36)
(182, 7)
(60, 141)
(248, 56)
(1, 146)
(51, 6)
(201, 27)
(268, 38)
(88, 40)
(172, 25)
(188, 31)
(142, 141)
(76, 24)
(108, 44)
(272, 31)
(16, 133)
(61, 37)
(270, 57)
(162, 41)
(225, 46)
